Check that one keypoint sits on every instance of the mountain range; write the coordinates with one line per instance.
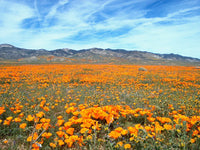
(92, 55)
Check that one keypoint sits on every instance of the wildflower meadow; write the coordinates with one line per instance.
(60, 106)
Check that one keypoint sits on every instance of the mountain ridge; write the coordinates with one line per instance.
(10, 52)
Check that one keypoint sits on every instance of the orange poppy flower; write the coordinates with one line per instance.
(60, 142)
(60, 133)
(23, 126)
(109, 118)
(119, 143)
(70, 131)
(47, 135)
(29, 118)
(17, 119)
(84, 130)
(53, 145)
(167, 126)
(114, 134)
(127, 146)
(2, 110)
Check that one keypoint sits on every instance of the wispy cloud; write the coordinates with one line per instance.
(12, 14)
(151, 25)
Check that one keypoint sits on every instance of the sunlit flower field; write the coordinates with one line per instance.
(61, 106)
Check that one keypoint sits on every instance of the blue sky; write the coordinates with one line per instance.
(160, 26)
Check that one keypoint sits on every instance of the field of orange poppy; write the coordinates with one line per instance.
(58, 106)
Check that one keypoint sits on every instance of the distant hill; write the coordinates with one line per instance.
(92, 55)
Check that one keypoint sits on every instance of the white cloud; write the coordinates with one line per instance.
(12, 15)
(175, 32)
(53, 11)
